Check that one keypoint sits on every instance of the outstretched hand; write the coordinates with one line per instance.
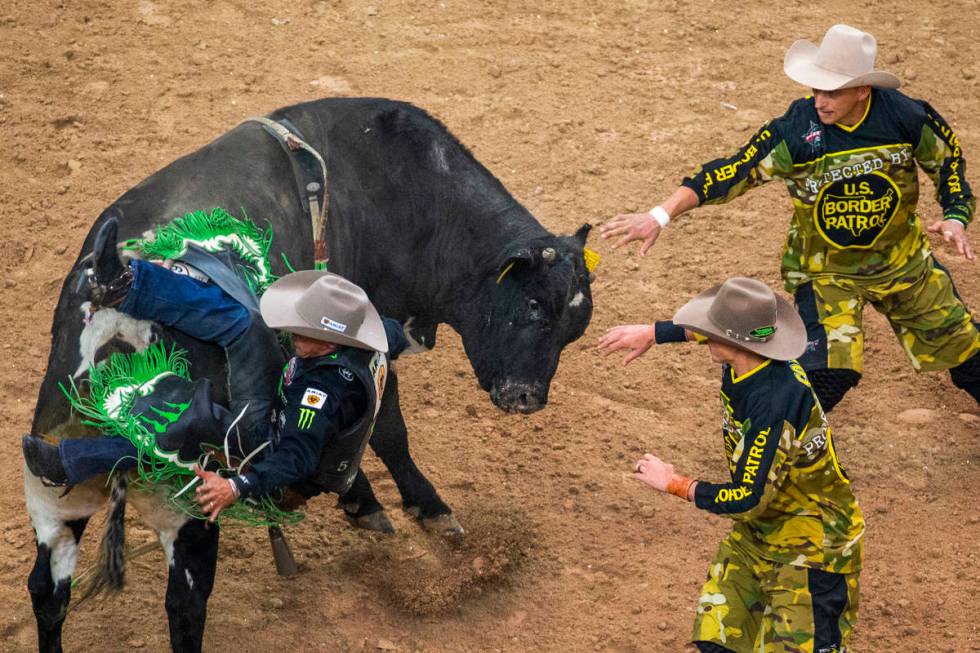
(954, 232)
(632, 226)
(214, 494)
(653, 471)
(637, 338)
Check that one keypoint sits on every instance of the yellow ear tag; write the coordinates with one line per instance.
(506, 270)
(591, 260)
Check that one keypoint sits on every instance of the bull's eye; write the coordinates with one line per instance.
(534, 309)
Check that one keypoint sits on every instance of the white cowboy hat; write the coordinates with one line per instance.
(748, 314)
(324, 306)
(845, 58)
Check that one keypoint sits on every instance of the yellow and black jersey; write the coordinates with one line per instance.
(788, 494)
(854, 188)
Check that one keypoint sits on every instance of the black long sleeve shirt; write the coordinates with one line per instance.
(317, 404)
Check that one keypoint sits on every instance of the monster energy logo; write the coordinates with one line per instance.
(168, 416)
(305, 418)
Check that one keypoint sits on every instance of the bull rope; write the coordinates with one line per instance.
(318, 210)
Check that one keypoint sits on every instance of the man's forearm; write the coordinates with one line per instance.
(681, 200)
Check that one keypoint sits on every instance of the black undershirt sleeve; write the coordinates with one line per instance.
(666, 331)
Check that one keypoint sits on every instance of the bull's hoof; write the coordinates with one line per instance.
(445, 525)
(376, 521)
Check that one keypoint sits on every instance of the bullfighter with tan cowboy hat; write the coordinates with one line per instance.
(848, 156)
(329, 393)
(785, 580)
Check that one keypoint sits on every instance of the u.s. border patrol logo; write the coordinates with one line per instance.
(853, 213)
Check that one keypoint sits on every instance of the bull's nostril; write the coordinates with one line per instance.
(523, 400)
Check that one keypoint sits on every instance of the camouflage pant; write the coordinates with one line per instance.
(752, 605)
(932, 324)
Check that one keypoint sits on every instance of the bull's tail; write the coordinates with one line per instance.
(109, 571)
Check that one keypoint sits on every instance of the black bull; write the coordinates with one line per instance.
(425, 229)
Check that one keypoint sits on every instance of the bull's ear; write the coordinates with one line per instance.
(582, 234)
(521, 256)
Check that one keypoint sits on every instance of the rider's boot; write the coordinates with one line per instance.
(44, 461)
(110, 279)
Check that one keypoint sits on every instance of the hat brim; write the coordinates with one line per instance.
(787, 343)
(799, 65)
(278, 307)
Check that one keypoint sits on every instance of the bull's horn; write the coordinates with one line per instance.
(549, 254)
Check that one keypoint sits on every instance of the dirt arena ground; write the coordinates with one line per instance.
(583, 109)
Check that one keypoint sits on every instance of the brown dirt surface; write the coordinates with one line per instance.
(584, 110)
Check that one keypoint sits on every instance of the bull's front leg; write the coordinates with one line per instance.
(362, 508)
(390, 443)
(193, 557)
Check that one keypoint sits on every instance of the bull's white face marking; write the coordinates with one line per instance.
(190, 579)
(104, 325)
(439, 158)
(49, 514)
(156, 514)
(577, 299)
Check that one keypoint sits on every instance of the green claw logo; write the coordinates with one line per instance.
(169, 417)
(305, 418)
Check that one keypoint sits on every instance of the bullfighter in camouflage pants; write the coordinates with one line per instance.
(848, 156)
(785, 580)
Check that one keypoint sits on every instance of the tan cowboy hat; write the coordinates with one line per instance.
(746, 313)
(324, 306)
(845, 58)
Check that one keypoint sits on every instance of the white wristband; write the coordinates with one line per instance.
(234, 487)
(660, 215)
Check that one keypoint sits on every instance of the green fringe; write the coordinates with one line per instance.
(113, 386)
(214, 232)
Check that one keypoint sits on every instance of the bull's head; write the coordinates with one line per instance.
(534, 301)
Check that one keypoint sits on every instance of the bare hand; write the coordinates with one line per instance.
(632, 226)
(953, 231)
(653, 471)
(637, 338)
(214, 494)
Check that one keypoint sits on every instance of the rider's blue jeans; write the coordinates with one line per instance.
(201, 310)
(84, 458)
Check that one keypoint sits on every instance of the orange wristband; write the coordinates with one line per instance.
(679, 486)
